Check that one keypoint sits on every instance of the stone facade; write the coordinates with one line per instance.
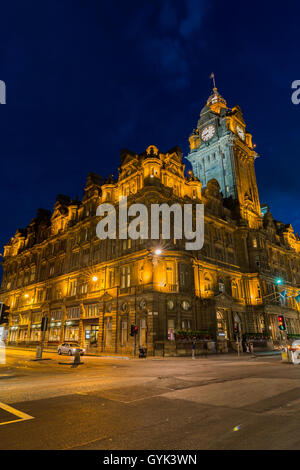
(93, 290)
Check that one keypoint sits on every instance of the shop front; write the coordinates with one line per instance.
(91, 326)
(13, 334)
(55, 332)
(55, 326)
(72, 330)
(35, 332)
(23, 334)
(91, 331)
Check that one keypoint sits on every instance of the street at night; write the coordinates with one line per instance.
(149, 232)
(219, 402)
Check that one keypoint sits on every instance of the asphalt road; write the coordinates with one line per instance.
(222, 402)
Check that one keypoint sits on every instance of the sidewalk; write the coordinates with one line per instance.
(54, 351)
(210, 357)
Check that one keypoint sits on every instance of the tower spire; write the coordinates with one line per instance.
(215, 101)
(212, 75)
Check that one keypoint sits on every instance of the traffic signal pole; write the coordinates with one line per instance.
(4, 314)
(39, 349)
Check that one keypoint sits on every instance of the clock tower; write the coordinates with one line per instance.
(222, 149)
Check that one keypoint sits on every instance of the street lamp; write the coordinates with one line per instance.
(278, 281)
(158, 252)
(94, 279)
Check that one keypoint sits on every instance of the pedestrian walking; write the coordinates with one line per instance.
(193, 349)
(244, 345)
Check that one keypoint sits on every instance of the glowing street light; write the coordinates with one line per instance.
(278, 281)
(94, 279)
(26, 296)
(158, 252)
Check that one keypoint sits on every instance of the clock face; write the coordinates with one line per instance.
(208, 132)
(185, 305)
(170, 304)
(240, 132)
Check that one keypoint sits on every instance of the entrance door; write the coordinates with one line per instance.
(108, 331)
(237, 326)
(222, 330)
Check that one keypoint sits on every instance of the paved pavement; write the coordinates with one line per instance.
(219, 402)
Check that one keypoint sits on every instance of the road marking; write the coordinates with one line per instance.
(22, 416)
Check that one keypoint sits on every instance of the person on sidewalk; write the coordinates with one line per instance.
(193, 349)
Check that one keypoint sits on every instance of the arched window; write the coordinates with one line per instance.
(207, 282)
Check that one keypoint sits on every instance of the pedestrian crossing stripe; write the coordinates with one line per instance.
(21, 416)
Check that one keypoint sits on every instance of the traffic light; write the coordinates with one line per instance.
(4, 312)
(134, 330)
(281, 323)
(44, 324)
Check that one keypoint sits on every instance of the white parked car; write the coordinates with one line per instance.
(70, 348)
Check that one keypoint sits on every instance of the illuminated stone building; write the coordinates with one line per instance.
(93, 290)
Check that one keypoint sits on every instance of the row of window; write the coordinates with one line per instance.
(236, 287)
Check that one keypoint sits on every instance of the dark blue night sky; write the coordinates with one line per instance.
(87, 78)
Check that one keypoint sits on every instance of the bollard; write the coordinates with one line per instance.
(76, 358)
(38, 352)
